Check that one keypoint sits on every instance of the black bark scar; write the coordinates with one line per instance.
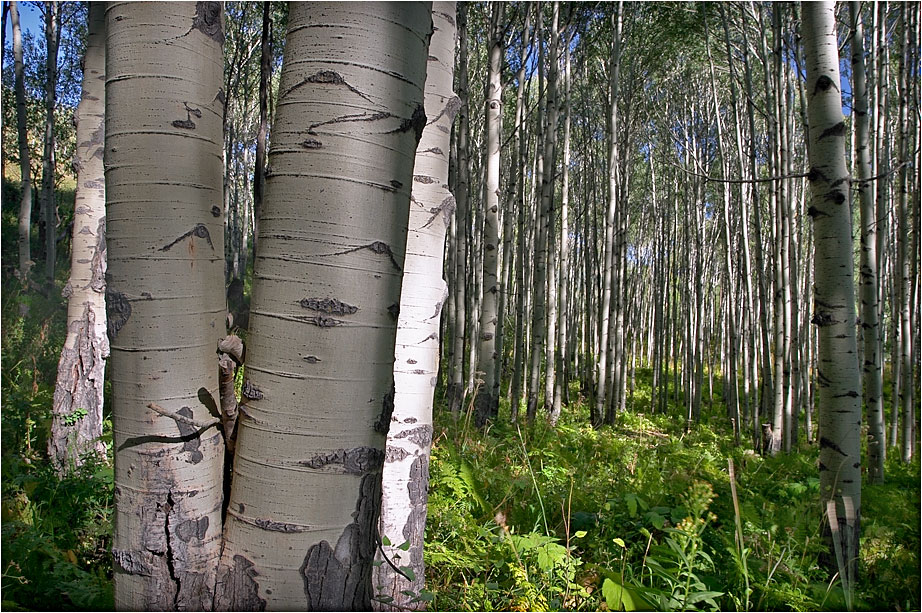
(200, 230)
(208, 20)
(118, 310)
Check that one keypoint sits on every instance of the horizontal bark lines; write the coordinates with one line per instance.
(326, 297)
(166, 306)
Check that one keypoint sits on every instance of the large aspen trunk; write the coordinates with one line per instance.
(838, 379)
(405, 482)
(487, 401)
(78, 393)
(25, 203)
(302, 520)
(165, 298)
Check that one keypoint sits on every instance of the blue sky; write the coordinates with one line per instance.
(29, 19)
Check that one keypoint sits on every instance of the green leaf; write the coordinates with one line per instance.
(579, 534)
(619, 597)
(385, 541)
(408, 572)
(620, 543)
(631, 500)
(405, 546)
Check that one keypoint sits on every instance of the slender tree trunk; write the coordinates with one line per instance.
(487, 400)
(76, 428)
(25, 203)
(302, 521)
(416, 358)
(903, 273)
(165, 299)
(52, 12)
(838, 379)
(560, 389)
(456, 390)
(521, 146)
(873, 380)
(602, 390)
(259, 172)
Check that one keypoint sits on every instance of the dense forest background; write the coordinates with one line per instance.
(642, 431)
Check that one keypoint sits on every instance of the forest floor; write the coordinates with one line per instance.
(635, 516)
(641, 516)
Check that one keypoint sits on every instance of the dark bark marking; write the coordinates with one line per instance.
(330, 306)
(410, 420)
(133, 562)
(251, 391)
(311, 143)
(383, 423)
(208, 20)
(825, 443)
(814, 212)
(216, 211)
(237, 589)
(140, 440)
(851, 394)
(189, 434)
(424, 179)
(395, 454)
(420, 436)
(340, 578)
(394, 311)
(357, 461)
(823, 83)
(118, 311)
(418, 490)
(821, 319)
(200, 230)
(836, 130)
(446, 209)
(396, 184)
(358, 117)
(322, 321)
(190, 528)
(815, 174)
(416, 122)
(278, 526)
(312, 359)
(377, 247)
(411, 361)
(187, 123)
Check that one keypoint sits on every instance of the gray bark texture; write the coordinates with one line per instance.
(165, 298)
(302, 520)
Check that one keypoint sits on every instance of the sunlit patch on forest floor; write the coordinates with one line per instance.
(640, 516)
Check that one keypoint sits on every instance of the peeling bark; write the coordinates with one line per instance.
(416, 357)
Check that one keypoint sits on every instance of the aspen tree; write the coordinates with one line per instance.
(302, 519)
(78, 393)
(25, 166)
(838, 380)
(416, 358)
(52, 15)
(165, 298)
(487, 401)
(456, 389)
(873, 383)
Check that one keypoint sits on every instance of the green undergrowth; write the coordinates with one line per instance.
(640, 516)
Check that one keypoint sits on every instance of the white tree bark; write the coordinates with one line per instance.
(405, 481)
(301, 528)
(78, 394)
(165, 298)
(487, 400)
(838, 382)
(25, 204)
